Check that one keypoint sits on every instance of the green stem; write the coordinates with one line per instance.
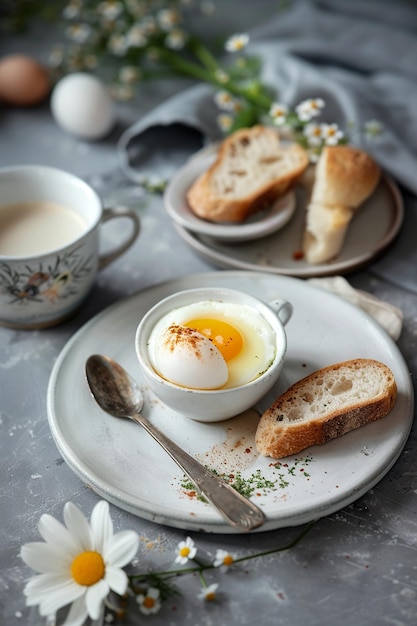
(204, 55)
(202, 567)
(188, 68)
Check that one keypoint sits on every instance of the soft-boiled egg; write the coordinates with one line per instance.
(211, 345)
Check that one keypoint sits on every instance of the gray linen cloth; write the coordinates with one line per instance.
(359, 56)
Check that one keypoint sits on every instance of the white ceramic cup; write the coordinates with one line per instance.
(48, 263)
(217, 404)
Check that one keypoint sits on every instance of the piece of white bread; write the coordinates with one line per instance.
(345, 177)
(252, 170)
(328, 403)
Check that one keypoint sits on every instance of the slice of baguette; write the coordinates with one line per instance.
(328, 403)
(252, 170)
(345, 177)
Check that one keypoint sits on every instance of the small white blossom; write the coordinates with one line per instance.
(129, 74)
(221, 76)
(72, 10)
(118, 45)
(149, 602)
(79, 33)
(186, 551)
(176, 39)
(310, 108)
(168, 19)
(331, 134)
(237, 42)
(223, 559)
(225, 100)
(313, 133)
(225, 122)
(110, 9)
(136, 36)
(278, 112)
(209, 593)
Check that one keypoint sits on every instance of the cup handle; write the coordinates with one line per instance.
(113, 213)
(282, 308)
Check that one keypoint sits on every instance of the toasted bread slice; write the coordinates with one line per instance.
(252, 170)
(328, 403)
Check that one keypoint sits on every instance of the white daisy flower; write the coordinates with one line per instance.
(278, 112)
(79, 563)
(331, 134)
(129, 74)
(224, 100)
(149, 602)
(118, 45)
(237, 42)
(136, 36)
(313, 133)
(176, 39)
(310, 108)
(186, 551)
(209, 593)
(168, 18)
(110, 9)
(221, 75)
(223, 559)
(225, 122)
(80, 33)
(72, 10)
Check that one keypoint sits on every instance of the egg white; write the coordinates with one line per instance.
(256, 355)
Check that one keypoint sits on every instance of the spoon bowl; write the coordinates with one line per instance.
(117, 393)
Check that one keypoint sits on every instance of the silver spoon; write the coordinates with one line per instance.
(118, 394)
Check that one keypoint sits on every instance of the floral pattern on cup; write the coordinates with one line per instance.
(40, 282)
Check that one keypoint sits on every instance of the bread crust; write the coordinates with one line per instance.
(285, 164)
(277, 436)
(345, 176)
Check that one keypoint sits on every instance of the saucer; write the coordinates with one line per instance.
(261, 224)
(125, 466)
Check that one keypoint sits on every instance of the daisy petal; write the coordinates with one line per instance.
(116, 579)
(78, 525)
(101, 525)
(121, 548)
(55, 533)
(43, 557)
(94, 598)
(46, 583)
(61, 596)
(77, 614)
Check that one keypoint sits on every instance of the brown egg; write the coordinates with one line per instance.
(23, 81)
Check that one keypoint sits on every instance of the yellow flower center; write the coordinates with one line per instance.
(184, 551)
(149, 602)
(88, 568)
(211, 596)
(228, 560)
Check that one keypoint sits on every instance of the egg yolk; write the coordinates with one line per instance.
(225, 337)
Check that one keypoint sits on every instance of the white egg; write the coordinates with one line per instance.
(187, 358)
(82, 106)
(241, 335)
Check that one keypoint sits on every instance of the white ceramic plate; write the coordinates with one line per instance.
(259, 225)
(125, 466)
(372, 230)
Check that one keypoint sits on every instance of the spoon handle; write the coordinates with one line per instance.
(238, 510)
